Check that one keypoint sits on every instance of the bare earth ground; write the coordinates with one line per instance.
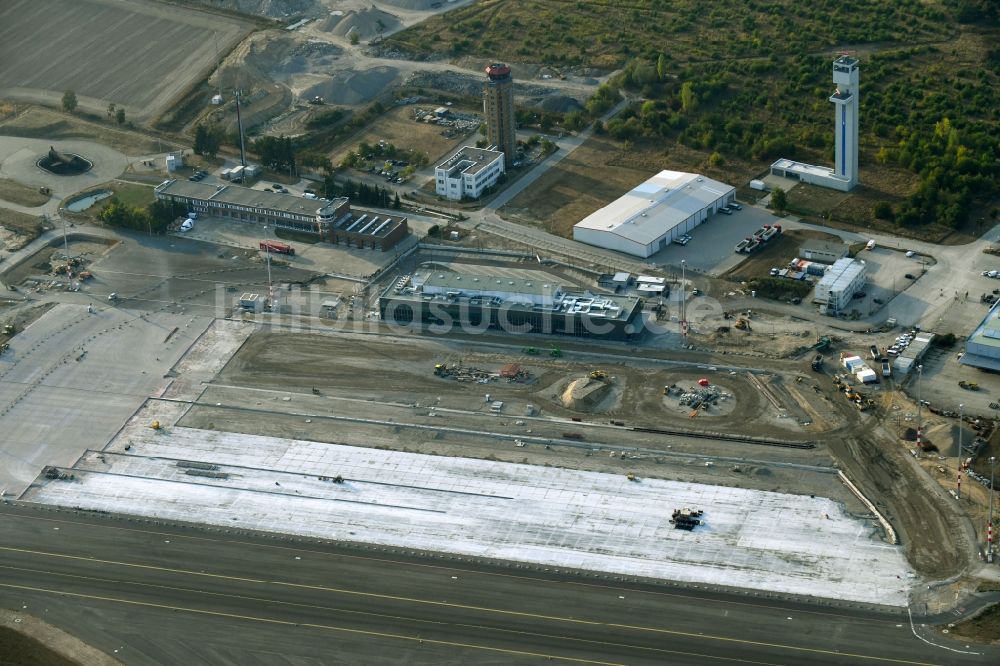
(26, 640)
(148, 52)
(776, 253)
(984, 627)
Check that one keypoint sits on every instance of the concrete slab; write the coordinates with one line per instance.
(550, 516)
(71, 379)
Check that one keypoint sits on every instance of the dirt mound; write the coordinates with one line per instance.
(276, 9)
(585, 394)
(560, 104)
(420, 5)
(353, 87)
(366, 23)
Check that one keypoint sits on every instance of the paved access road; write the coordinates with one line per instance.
(156, 594)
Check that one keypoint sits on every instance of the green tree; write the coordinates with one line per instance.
(111, 110)
(883, 210)
(661, 66)
(207, 139)
(354, 38)
(120, 116)
(396, 203)
(689, 100)
(779, 200)
(69, 101)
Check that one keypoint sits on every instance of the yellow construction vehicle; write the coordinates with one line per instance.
(155, 425)
(598, 374)
(440, 369)
(742, 324)
(632, 477)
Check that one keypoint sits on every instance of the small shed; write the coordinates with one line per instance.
(824, 251)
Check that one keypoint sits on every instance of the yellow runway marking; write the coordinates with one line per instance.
(378, 634)
(481, 627)
(438, 567)
(495, 611)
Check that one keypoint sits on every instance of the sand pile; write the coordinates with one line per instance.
(365, 23)
(585, 394)
(350, 87)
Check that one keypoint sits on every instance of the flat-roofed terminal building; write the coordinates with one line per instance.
(334, 221)
(478, 302)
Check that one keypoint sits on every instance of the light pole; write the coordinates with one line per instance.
(961, 412)
(683, 298)
(267, 259)
(69, 269)
(920, 403)
(989, 523)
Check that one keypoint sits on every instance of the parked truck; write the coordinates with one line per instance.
(277, 247)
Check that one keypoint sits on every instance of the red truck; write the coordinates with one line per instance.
(277, 247)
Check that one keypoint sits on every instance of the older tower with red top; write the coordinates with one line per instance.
(498, 107)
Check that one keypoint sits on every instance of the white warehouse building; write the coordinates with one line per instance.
(648, 218)
(839, 284)
(468, 172)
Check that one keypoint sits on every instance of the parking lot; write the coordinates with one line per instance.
(710, 250)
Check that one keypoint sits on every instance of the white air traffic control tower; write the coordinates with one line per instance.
(845, 104)
(845, 131)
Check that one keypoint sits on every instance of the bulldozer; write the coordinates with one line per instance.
(440, 369)
(156, 425)
(968, 386)
(599, 374)
(742, 324)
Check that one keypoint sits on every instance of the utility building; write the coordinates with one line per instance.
(844, 175)
(498, 107)
(648, 218)
(468, 172)
(838, 286)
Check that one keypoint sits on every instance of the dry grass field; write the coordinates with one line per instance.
(583, 182)
(396, 126)
(42, 123)
(20, 194)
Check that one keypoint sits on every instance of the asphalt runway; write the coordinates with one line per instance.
(154, 594)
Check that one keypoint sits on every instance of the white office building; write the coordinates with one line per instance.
(844, 175)
(837, 287)
(468, 172)
(648, 218)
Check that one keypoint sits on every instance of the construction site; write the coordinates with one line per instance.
(290, 423)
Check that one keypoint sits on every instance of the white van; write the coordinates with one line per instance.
(870, 245)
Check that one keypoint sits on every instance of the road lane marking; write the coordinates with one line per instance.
(363, 632)
(496, 611)
(387, 616)
(436, 567)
